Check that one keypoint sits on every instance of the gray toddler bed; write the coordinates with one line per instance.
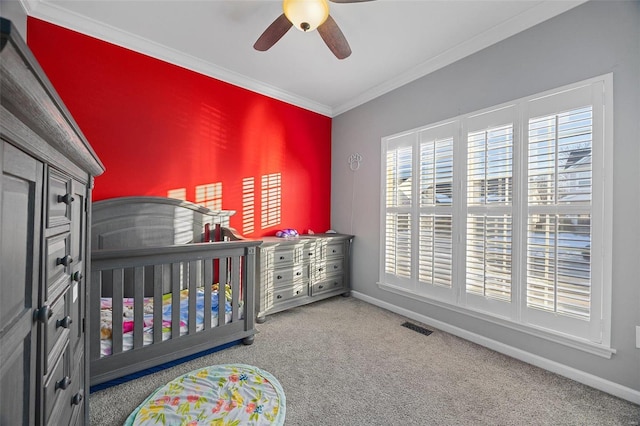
(169, 279)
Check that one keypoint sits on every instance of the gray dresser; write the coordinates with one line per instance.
(297, 271)
(47, 175)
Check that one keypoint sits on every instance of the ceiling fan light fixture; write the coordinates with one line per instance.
(306, 15)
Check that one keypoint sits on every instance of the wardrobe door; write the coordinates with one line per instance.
(20, 231)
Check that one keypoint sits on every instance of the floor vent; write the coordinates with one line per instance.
(417, 328)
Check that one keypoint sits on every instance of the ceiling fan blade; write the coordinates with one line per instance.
(348, 1)
(273, 33)
(334, 39)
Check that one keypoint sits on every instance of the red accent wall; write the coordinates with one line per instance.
(158, 127)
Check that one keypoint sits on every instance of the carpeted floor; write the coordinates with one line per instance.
(343, 361)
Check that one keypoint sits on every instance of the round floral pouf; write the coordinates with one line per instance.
(229, 394)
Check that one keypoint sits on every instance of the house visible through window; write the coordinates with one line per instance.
(523, 187)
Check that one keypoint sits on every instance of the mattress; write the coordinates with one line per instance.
(106, 317)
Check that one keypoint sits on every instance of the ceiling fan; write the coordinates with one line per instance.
(307, 15)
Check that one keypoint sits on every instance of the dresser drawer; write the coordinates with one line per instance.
(289, 293)
(334, 249)
(57, 391)
(59, 262)
(58, 324)
(60, 198)
(328, 268)
(327, 285)
(288, 276)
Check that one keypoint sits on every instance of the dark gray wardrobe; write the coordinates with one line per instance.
(45, 199)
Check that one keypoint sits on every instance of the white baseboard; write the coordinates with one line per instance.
(547, 364)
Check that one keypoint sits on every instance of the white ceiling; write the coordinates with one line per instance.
(393, 41)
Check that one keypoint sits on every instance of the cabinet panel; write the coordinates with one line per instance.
(59, 199)
(20, 204)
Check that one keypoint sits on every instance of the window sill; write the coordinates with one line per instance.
(571, 342)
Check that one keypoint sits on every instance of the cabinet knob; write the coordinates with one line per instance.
(279, 277)
(298, 273)
(279, 296)
(335, 266)
(77, 398)
(320, 286)
(63, 383)
(77, 276)
(320, 269)
(310, 253)
(66, 198)
(43, 314)
(66, 261)
(64, 322)
(334, 251)
(281, 257)
(297, 291)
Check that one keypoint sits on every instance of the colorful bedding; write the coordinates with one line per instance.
(106, 317)
(229, 394)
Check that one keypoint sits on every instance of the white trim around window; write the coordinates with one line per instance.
(505, 214)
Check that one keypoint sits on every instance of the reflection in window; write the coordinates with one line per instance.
(248, 205)
(210, 195)
(271, 199)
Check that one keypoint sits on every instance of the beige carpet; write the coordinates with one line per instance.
(343, 361)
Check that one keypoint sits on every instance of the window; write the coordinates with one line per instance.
(522, 187)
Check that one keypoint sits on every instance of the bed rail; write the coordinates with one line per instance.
(164, 272)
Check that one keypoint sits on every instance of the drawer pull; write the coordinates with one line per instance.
(334, 251)
(66, 198)
(279, 277)
(310, 254)
(64, 383)
(279, 296)
(320, 287)
(297, 291)
(298, 273)
(320, 269)
(77, 276)
(77, 398)
(281, 257)
(43, 314)
(66, 261)
(335, 266)
(64, 322)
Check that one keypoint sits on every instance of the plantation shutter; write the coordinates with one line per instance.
(559, 222)
(561, 141)
(398, 204)
(435, 236)
(489, 196)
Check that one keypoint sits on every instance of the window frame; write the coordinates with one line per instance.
(516, 314)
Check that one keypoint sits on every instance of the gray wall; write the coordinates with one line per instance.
(592, 39)
(13, 11)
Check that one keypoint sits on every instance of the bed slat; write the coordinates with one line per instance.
(117, 310)
(157, 302)
(175, 300)
(138, 307)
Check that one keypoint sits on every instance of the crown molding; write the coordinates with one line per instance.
(99, 30)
